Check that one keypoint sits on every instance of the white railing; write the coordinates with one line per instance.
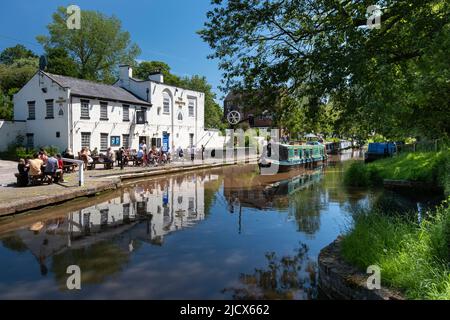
(80, 164)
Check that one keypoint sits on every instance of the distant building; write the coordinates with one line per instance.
(234, 102)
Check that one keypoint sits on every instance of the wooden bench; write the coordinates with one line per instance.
(69, 167)
(106, 164)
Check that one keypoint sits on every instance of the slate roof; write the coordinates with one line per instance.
(91, 89)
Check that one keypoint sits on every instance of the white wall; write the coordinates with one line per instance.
(9, 130)
(115, 126)
(44, 130)
(179, 130)
(158, 121)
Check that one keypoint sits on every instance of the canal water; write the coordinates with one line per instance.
(226, 233)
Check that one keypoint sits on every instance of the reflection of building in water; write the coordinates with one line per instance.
(146, 212)
(167, 205)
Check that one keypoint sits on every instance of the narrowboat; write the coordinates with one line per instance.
(379, 150)
(288, 156)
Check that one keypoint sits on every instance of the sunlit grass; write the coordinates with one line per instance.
(413, 258)
(429, 167)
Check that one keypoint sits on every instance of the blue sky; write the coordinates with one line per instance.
(165, 30)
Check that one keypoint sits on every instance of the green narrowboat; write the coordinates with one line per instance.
(288, 156)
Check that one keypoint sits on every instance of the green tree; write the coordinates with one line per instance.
(17, 66)
(393, 80)
(145, 68)
(12, 54)
(6, 107)
(97, 47)
(15, 76)
(213, 112)
(59, 62)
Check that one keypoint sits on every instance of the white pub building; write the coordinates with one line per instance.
(54, 110)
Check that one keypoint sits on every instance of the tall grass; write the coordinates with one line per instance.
(429, 167)
(413, 258)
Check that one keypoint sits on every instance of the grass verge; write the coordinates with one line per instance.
(429, 167)
(413, 258)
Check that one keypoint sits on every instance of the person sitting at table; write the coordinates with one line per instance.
(94, 152)
(68, 154)
(140, 156)
(43, 155)
(60, 167)
(22, 178)
(85, 155)
(35, 166)
(50, 169)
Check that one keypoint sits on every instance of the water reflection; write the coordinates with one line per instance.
(286, 277)
(186, 236)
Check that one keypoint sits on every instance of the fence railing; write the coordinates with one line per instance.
(423, 146)
(80, 164)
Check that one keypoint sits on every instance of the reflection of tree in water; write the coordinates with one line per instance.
(305, 205)
(96, 262)
(288, 277)
(14, 243)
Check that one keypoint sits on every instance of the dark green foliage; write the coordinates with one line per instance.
(393, 80)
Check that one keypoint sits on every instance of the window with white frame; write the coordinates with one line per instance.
(49, 109)
(103, 141)
(191, 107)
(31, 110)
(126, 112)
(85, 109)
(103, 111)
(166, 103)
(86, 140)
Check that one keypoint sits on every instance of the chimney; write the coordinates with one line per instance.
(156, 76)
(126, 72)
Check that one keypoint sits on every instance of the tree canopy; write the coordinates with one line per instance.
(97, 48)
(393, 80)
(13, 54)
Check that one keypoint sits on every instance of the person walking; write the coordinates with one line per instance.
(192, 153)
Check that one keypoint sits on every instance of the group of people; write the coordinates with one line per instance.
(50, 168)
(41, 167)
(155, 156)
(89, 156)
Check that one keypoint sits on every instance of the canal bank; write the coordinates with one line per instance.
(17, 200)
(394, 237)
(342, 281)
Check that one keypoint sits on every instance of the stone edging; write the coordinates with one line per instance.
(106, 183)
(339, 280)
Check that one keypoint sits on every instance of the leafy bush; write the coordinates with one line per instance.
(16, 150)
(357, 175)
(413, 258)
